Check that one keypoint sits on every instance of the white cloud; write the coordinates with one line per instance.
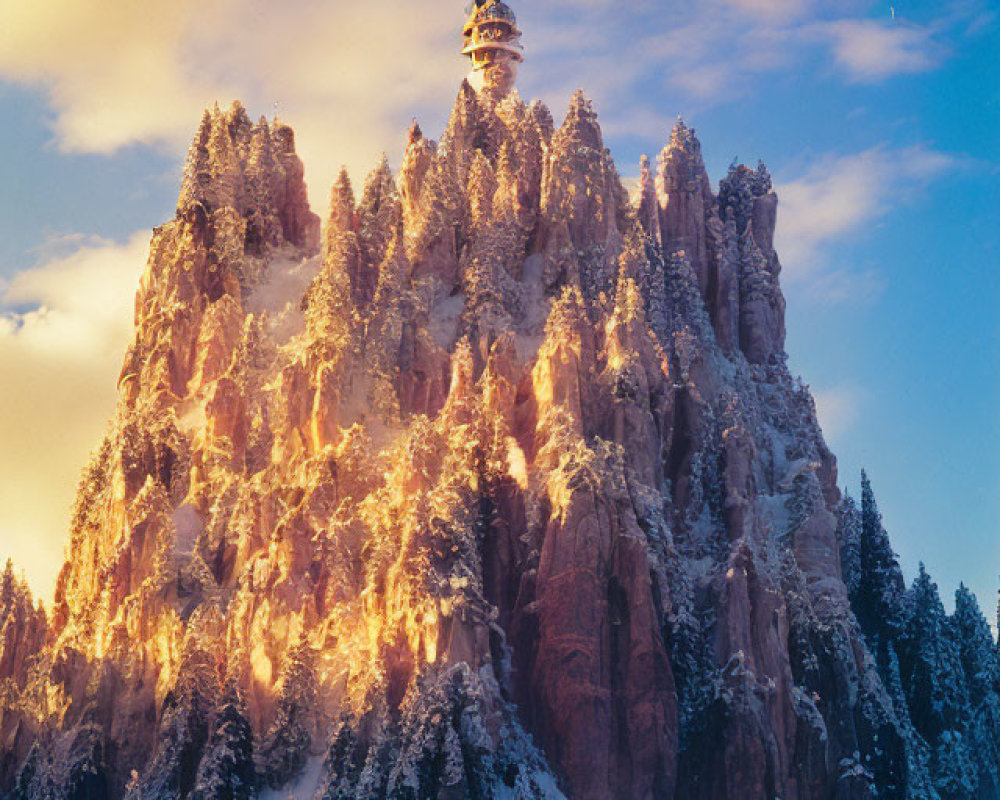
(839, 196)
(350, 75)
(873, 51)
(64, 327)
(845, 285)
(714, 51)
(777, 10)
(838, 409)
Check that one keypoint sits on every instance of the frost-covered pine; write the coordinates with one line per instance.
(879, 607)
(934, 684)
(977, 651)
(685, 308)
(441, 747)
(955, 775)
(22, 624)
(642, 262)
(849, 540)
(976, 645)
(915, 764)
(878, 597)
(286, 746)
(227, 769)
(197, 172)
(328, 303)
(263, 228)
(183, 731)
(931, 665)
(73, 767)
(691, 660)
(738, 190)
(379, 214)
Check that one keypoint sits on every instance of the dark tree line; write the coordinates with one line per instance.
(941, 671)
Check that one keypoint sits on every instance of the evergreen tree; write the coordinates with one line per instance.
(379, 215)
(879, 605)
(977, 651)
(72, 767)
(849, 538)
(955, 774)
(917, 765)
(227, 770)
(286, 746)
(931, 664)
(877, 592)
(977, 647)
(183, 730)
(934, 681)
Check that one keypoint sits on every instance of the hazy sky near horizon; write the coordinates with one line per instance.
(880, 123)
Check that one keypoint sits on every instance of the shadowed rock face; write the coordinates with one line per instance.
(503, 490)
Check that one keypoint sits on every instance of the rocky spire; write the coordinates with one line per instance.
(685, 199)
(583, 203)
(416, 161)
(22, 625)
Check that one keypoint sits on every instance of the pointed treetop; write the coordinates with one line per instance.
(684, 137)
(582, 120)
(380, 186)
(201, 135)
(238, 115)
(415, 133)
(342, 203)
(580, 103)
(926, 594)
(284, 137)
(343, 182)
(382, 169)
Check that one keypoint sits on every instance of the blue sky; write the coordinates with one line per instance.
(882, 132)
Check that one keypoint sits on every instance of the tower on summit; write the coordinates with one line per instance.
(493, 43)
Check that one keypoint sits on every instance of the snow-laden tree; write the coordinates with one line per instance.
(879, 606)
(849, 538)
(934, 682)
(977, 651)
(286, 746)
(227, 770)
(931, 664)
(183, 731)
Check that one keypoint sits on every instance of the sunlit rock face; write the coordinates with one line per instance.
(501, 488)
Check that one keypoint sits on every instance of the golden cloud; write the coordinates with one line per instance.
(349, 76)
(59, 362)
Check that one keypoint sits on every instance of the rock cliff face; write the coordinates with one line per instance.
(502, 489)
